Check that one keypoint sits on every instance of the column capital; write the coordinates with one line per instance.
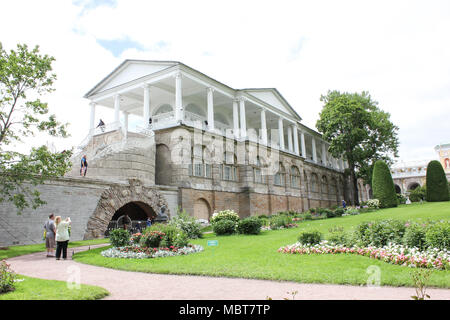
(92, 103)
(178, 75)
(117, 96)
(242, 99)
(146, 85)
(210, 89)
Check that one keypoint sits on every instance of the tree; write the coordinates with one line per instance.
(358, 131)
(437, 185)
(383, 185)
(25, 75)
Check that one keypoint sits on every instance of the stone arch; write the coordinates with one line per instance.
(202, 209)
(314, 183)
(413, 186)
(324, 185)
(117, 196)
(163, 166)
(398, 189)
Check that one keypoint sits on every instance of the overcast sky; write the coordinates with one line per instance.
(399, 51)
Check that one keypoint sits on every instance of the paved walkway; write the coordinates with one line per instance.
(148, 286)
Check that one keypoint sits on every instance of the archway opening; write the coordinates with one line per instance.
(202, 209)
(132, 216)
(413, 186)
(398, 189)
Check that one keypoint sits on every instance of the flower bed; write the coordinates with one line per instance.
(288, 226)
(137, 252)
(394, 254)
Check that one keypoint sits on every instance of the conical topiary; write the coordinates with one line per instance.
(383, 185)
(437, 185)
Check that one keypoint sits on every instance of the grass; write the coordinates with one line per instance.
(39, 289)
(15, 251)
(256, 257)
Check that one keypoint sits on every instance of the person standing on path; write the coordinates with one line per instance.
(62, 237)
(149, 222)
(344, 204)
(84, 166)
(50, 233)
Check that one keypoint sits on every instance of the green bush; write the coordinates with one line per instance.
(383, 185)
(380, 233)
(225, 215)
(339, 237)
(278, 222)
(438, 235)
(437, 184)
(249, 226)
(223, 227)
(329, 213)
(182, 240)
(310, 237)
(401, 199)
(171, 233)
(7, 277)
(307, 216)
(188, 224)
(119, 238)
(418, 194)
(339, 212)
(415, 236)
(151, 239)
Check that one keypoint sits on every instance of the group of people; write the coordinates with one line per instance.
(57, 231)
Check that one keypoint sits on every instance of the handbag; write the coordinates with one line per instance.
(45, 235)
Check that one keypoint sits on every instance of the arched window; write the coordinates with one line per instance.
(228, 170)
(324, 185)
(314, 181)
(279, 178)
(198, 166)
(333, 185)
(193, 108)
(164, 108)
(295, 177)
(257, 172)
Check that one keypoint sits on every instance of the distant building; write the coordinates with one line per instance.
(409, 175)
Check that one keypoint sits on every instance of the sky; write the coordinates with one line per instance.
(398, 51)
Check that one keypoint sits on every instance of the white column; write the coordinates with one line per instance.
(290, 146)
(178, 98)
(324, 154)
(146, 105)
(92, 119)
(125, 123)
(314, 152)
(117, 109)
(263, 127)
(302, 141)
(210, 101)
(281, 132)
(243, 119)
(294, 130)
(235, 118)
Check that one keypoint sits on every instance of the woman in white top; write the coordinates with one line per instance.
(62, 236)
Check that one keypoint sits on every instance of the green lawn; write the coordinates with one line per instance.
(39, 289)
(15, 251)
(256, 257)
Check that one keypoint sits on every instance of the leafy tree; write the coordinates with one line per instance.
(383, 185)
(437, 185)
(25, 75)
(358, 131)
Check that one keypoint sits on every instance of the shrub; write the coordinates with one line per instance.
(136, 238)
(182, 240)
(415, 236)
(383, 185)
(152, 239)
(312, 210)
(380, 233)
(171, 233)
(339, 212)
(307, 216)
(7, 277)
(329, 213)
(223, 227)
(437, 184)
(119, 238)
(339, 237)
(418, 194)
(352, 211)
(438, 235)
(401, 199)
(188, 224)
(310, 237)
(249, 226)
(225, 215)
(373, 203)
(278, 222)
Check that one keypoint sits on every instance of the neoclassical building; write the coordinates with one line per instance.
(218, 147)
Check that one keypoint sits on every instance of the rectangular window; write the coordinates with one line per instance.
(258, 175)
(198, 170)
(207, 170)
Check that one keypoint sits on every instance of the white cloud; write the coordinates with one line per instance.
(398, 51)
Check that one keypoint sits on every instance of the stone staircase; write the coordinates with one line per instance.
(112, 157)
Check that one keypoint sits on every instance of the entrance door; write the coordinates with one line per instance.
(201, 209)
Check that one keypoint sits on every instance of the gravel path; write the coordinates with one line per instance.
(148, 286)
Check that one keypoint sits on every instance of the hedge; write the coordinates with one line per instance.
(437, 185)
(383, 185)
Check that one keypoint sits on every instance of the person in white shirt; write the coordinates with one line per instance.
(62, 236)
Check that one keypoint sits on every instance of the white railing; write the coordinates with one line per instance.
(163, 119)
(408, 174)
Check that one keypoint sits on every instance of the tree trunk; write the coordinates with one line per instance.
(354, 181)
